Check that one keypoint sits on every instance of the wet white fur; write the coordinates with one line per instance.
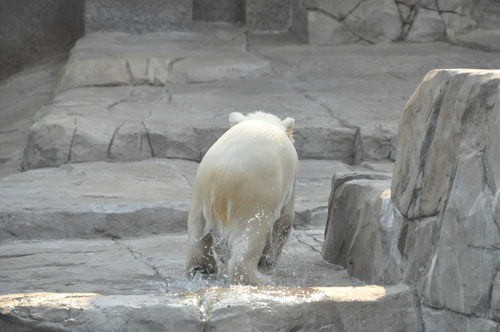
(245, 193)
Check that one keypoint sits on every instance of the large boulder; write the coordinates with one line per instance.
(440, 232)
(445, 189)
(362, 232)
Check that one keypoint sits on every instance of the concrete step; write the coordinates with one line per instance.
(116, 200)
(138, 284)
(139, 122)
(205, 54)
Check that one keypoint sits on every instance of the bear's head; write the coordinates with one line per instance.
(287, 124)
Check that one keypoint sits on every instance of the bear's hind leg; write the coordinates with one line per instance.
(200, 257)
(276, 241)
(246, 251)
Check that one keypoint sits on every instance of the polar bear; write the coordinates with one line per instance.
(245, 195)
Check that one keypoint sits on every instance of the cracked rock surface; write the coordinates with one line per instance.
(346, 100)
(324, 22)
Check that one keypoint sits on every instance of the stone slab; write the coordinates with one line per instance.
(205, 54)
(138, 16)
(145, 265)
(139, 122)
(105, 199)
(109, 284)
(217, 309)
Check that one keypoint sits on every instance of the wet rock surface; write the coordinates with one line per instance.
(111, 284)
(227, 309)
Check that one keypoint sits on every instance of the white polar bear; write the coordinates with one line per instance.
(245, 195)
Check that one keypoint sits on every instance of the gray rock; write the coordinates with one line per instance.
(146, 265)
(208, 53)
(448, 321)
(137, 16)
(104, 199)
(135, 123)
(97, 200)
(325, 30)
(362, 233)
(375, 21)
(268, 15)
(221, 309)
(444, 189)
(427, 26)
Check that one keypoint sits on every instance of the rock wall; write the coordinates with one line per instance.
(138, 16)
(443, 233)
(445, 188)
(372, 21)
(222, 10)
(32, 31)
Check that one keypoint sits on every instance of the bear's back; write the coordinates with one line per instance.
(254, 162)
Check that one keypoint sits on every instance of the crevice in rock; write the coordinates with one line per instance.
(424, 151)
(129, 71)
(144, 260)
(407, 23)
(112, 140)
(72, 142)
(342, 21)
(307, 244)
(418, 306)
(149, 139)
(425, 303)
(442, 19)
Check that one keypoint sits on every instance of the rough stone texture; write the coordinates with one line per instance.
(114, 284)
(445, 189)
(205, 54)
(97, 199)
(134, 123)
(34, 31)
(427, 26)
(268, 15)
(323, 22)
(137, 16)
(217, 309)
(488, 40)
(145, 265)
(346, 99)
(221, 10)
(444, 320)
(361, 232)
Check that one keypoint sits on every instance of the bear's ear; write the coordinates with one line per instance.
(288, 123)
(235, 118)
